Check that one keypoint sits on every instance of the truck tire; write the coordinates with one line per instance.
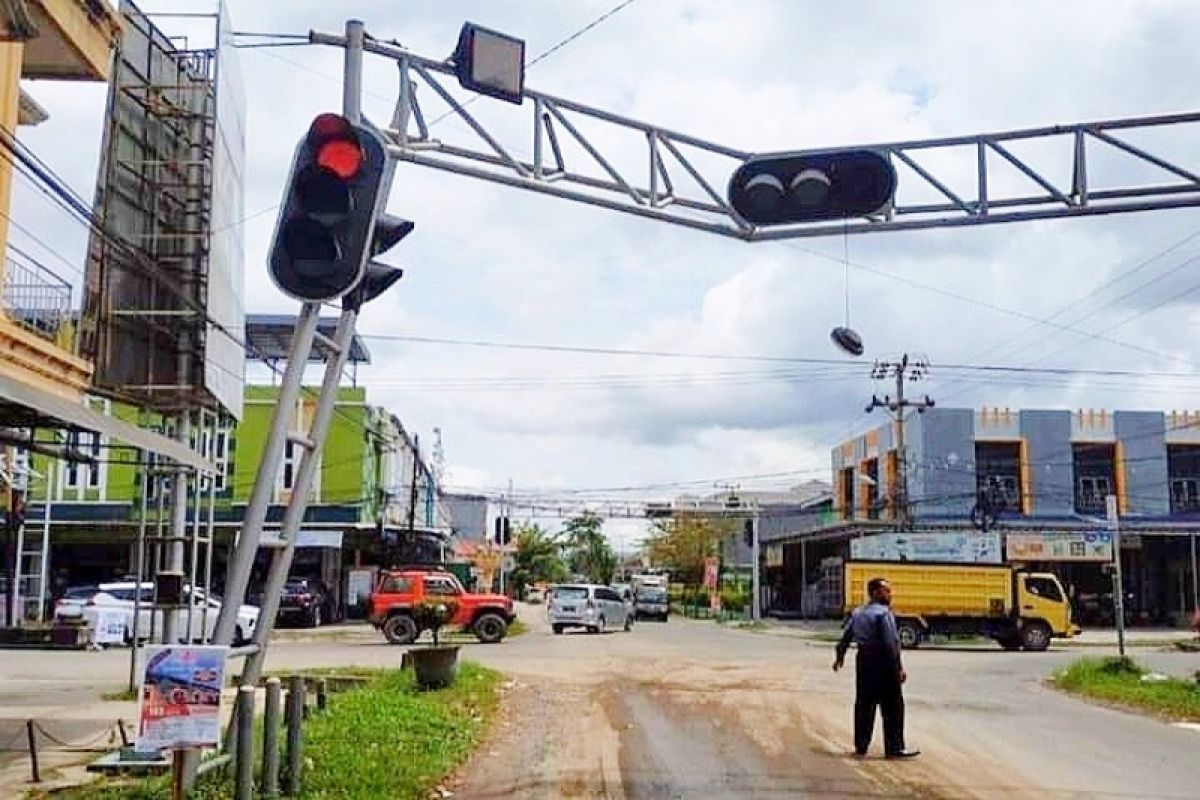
(490, 628)
(909, 634)
(1035, 636)
(558, 629)
(400, 629)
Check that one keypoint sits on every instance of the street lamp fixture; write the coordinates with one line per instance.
(490, 62)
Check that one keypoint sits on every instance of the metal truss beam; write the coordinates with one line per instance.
(977, 179)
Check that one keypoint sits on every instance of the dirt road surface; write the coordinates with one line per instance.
(695, 710)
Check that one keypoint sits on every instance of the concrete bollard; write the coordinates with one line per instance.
(295, 721)
(271, 716)
(243, 776)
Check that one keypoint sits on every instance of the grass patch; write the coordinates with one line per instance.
(383, 740)
(1119, 681)
(120, 694)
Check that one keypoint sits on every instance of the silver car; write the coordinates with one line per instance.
(586, 605)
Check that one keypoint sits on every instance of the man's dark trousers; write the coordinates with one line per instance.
(878, 685)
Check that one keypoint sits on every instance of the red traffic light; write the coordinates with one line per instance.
(335, 143)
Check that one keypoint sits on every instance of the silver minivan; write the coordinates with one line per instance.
(586, 605)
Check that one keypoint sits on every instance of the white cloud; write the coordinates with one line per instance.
(487, 262)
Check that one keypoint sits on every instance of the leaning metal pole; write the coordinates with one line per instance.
(238, 575)
(281, 558)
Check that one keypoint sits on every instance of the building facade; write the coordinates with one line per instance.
(358, 513)
(1047, 475)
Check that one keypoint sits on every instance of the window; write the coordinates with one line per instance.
(1046, 588)
(80, 475)
(607, 594)
(571, 593)
(396, 584)
(440, 585)
(216, 450)
(1185, 494)
(1093, 493)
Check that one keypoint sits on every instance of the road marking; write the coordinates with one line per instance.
(1191, 726)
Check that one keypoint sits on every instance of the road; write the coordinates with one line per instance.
(695, 710)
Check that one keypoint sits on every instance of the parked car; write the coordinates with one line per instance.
(112, 604)
(651, 601)
(306, 602)
(398, 592)
(585, 605)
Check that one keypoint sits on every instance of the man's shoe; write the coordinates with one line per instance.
(904, 754)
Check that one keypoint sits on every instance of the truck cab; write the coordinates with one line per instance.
(1040, 596)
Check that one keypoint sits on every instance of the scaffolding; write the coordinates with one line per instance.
(145, 304)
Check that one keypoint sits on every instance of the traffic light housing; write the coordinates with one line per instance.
(503, 531)
(330, 225)
(788, 188)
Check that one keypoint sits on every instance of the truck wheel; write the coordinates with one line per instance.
(909, 634)
(400, 629)
(1035, 636)
(490, 628)
(558, 629)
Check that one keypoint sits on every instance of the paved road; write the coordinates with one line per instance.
(692, 709)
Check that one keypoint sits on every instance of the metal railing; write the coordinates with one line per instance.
(40, 301)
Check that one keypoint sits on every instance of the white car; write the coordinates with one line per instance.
(107, 609)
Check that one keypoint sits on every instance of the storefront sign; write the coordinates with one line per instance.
(958, 548)
(1060, 546)
(180, 701)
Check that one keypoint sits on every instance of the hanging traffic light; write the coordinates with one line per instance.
(330, 225)
(785, 188)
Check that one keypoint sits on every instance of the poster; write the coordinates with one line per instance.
(1060, 546)
(711, 569)
(110, 626)
(180, 699)
(959, 548)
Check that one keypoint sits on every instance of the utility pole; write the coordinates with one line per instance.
(505, 529)
(903, 370)
(755, 573)
(412, 490)
(1114, 522)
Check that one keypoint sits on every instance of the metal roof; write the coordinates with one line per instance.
(269, 336)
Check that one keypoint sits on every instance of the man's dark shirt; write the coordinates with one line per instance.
(873, 628)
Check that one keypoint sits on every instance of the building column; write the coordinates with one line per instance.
(11, 55)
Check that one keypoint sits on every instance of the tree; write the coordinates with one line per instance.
(683, 542)
(588, 552)
(538, 557)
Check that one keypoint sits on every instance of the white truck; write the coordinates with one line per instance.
(650, 596)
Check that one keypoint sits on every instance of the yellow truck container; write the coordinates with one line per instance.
(1018, 609)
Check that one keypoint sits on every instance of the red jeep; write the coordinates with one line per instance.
(398, 591)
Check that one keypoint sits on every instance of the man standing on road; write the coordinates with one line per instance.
(880, 672)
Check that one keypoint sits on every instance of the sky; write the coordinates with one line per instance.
(494, 264)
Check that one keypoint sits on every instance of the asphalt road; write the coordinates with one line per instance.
(692, 709)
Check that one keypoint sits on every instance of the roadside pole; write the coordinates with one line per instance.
(755, 575)
(1114, 522)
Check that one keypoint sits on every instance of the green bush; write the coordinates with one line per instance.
(735, 599)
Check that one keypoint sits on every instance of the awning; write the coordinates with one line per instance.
(48, 408)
